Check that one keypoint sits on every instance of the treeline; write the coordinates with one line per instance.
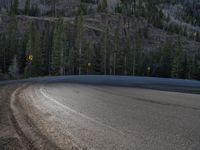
(63, 50)
(29, 9)
(191, 13)
(152, 12)
(145, 8)
(32, 9)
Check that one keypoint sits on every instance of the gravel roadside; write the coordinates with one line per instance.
(9, 139)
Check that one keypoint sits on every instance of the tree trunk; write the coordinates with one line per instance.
(54, 8)
(62, 62)
(4, 62)
(80, 58)
(125, 64)
(110, 66)
(105, 61)
(114, 65)
(134, 65)
(44, 3)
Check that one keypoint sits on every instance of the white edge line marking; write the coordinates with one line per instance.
(78, 113)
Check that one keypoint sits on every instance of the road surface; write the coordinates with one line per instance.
(108, 113)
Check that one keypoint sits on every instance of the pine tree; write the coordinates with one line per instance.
(27, 7)
(34, 11)
(54, 9)
(14, 68)
(134, 61)
(37, 55)
(177, 61)
(166, 60)
(137, 55)
(11, 41)
(110, 53)
(46, 46)
(127, 49)
(185, 64)
(104, 51)
(88, 58)
(116, 54)
(98, 57)
(196, 66)
(79, 39)
(14, 7)
(102, 5)
(22, 53)
(34, 68)
(190, 67)
(3, 53)
(58, 52)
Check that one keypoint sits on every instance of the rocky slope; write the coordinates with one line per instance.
(96, 24)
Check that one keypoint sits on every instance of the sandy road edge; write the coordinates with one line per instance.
(14, 117)
(30, 133)
(30, 136)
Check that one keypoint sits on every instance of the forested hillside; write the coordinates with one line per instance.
(112, 37)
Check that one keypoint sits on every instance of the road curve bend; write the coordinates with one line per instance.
(109, 113)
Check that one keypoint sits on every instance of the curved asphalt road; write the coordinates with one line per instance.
(115, 113)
